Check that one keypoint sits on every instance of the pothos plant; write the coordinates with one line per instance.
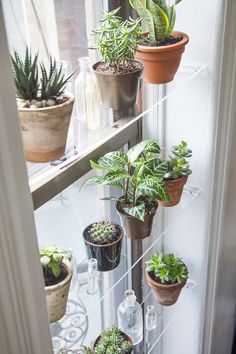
(158, 15)
(139, 173)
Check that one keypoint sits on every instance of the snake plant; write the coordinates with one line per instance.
(158, 15)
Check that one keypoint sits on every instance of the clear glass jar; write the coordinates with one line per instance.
(151, 318)
(130, 317)
(87, 102)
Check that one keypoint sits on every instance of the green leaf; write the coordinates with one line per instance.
(161, 170)
(113, 160)
(172, 19)
(146, 15)
(161, 21)
(146, 145)
(138, 212)
(93, 180)
(56, 269)
(113, 177)
(45, 260)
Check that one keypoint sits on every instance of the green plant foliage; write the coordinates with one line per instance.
(113, 342)
(51, 257)
(139, 173)
(158, 15)
(103, 231)
(167, 268)
(177, 164)
(25, 73)
(117, 40)
(53, 81)
(29, 86)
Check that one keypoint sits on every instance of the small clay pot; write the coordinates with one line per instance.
(135, 228)
(174, 189)
(161, 63)
(57, 295)
(123, 334)
(119, 91)
(107, 255)
(44, 131)
(166, 295)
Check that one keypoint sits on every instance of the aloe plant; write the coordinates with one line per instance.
(158, 15)
(139, 173)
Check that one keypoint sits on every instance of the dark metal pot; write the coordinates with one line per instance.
(107, 255)
(135, 228)
(119, 91)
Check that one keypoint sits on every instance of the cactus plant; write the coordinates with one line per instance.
(158, 15)
(103, 232)
(112, 341)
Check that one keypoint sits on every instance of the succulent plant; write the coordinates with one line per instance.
(167, 268)
(51, 257)
(158, 15)
(53, 81)
(25, 73)
(113, 342)
(29, 86)
(117, 39)
(177, 164)
(103, 232)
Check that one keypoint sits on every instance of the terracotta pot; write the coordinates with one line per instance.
(119, 91)
(161, 63)
(57, 296)
(44, 131)
(165, 294)
(134, 228)
(175, 189)
(123, 334)
(108, 255)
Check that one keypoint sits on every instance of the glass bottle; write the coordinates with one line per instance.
(130, 317)
(87, 102)
(92, 276)
(151, 318)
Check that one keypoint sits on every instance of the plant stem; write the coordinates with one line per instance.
(127, 185)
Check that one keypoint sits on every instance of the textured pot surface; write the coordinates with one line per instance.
(57, 296)
(108, 255)
(44, 131)
(124, 335)
(161, 63)
(165, 294)
(134, 228)
(175, 189)
(118, 91)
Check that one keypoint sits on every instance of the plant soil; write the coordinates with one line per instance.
(158, 280)
(50, 279)
(90, 239)
(150, 208)
(163, 42)
(132, 67)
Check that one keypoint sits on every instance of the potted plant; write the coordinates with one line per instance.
(103, 240)
(118, 73)
(162, 48)
(166, 274)
(177, 174)
(114, 341)
(139, 174)
(57, 271)
(44, 109)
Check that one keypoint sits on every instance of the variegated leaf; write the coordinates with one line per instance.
(161, 170)
(146, 15)
(146, 145)
(162, 4)
(111, 178)
(113, 160)
(161, 21)
(138, 212)
(93, 180)
(172, 18)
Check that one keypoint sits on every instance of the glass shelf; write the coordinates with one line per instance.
(77, 327)
(48, 179)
